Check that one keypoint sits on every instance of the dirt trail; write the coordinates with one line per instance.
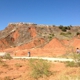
(45, 58)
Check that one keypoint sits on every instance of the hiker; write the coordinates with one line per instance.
(78, 50)
(29, 54)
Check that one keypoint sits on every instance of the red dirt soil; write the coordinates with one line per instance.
(15, 35)
(54, 48)
(20, 70)
(32, 31)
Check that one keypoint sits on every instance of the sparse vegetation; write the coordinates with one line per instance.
(65, 34)
(3, 64)
(7, 56)
(64, 29)
(70, 64)
(76, 62)
(39, 68)
(51, 36)
(68, 77)
(18, 65)
(7, 78)
(38, 38)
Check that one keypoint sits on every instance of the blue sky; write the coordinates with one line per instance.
(50, 12)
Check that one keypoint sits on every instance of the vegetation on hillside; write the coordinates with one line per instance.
(64, 28)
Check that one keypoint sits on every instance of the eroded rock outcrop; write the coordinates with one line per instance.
(41, 40)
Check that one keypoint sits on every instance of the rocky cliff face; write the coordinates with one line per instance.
(19, 34)
(49, 39)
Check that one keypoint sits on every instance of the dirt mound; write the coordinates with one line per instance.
(54, 43)
(55, 47)
(33, 44)
(65, 42)
(15, 35)
(4, 44)
(76, 43)
(20, 70)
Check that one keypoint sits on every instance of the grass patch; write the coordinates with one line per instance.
(39, 68)
(66, 34)
(71, 64)
(76, 62)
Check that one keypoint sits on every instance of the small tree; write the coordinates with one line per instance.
(61, 26)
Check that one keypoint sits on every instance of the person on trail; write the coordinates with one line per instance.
(29, 54)
(78, 50)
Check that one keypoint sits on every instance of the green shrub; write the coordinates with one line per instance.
(64, 28)
(62, 33)
(51, 36)
(76, 58)
(78, 33)
(39, 68)
(61, 26)
(68, 33)
(7, 56)
(71, 64)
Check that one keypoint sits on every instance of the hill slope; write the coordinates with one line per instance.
(41, 40)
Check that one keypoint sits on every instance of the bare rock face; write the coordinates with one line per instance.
(18, 38)
(33, 32)
(4, 44)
